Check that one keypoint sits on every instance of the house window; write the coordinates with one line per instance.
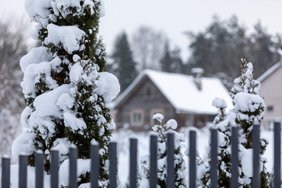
(148, 92)
(137, 118)
(155, 111)
(270, 108)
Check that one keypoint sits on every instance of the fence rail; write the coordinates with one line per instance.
(94, 174)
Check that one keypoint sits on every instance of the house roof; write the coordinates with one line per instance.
(270, 71)
(182, 92)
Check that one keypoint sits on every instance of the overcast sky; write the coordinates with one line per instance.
(171, 16)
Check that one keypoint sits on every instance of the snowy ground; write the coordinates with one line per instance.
(123, 137)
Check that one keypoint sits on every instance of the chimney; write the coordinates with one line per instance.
(197, 75)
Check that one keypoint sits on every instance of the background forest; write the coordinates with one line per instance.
(217, 49)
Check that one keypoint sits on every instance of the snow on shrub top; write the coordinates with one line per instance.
(219, 103)
(246, 102)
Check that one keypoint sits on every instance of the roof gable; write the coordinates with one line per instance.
(181, 91)
(269, 72)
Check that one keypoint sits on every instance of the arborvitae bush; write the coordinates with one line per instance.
(248, 110)
(65, 88)
(161, 129)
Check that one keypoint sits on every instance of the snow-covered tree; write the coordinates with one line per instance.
(123, 64)
(248, 110)
(161, 129)
(171, 60)
(65, 88)
(147, 46)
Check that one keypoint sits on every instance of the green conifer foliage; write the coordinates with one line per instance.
(161, 129)
(123, 65)
(65, 88)
(248, 110)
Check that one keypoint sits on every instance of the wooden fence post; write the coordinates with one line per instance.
(234, 158)
(95, 166)
(133, 163)
(192, 159)
(277, 155)
(5, 182)
(73, 167)
(22, 171)
(39, 169)
(113, 164)
(256, 157)
(153, 161)
(54, 168)
(170, 161)
(214, 161)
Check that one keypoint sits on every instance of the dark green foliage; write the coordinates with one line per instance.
(171, 60)
(87, 105)
(161, 129)
(245, 87)
(218, 48)
(123, 65)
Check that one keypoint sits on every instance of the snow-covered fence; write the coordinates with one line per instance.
(133, 171)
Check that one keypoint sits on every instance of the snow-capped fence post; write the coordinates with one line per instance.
(256, 158)
(73, 167)
(95, 166)
(113, 164)
(22, 171)
(170, 160)
(5, 183)
(234, 158)
(54, 169)
(153, 161)
(133, 163)
(277, 155)
(192, 159)
(214, 160)
(39, 168)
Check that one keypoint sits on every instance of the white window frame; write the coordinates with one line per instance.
(137, 122)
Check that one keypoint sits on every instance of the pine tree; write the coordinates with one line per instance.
(171, 60)
(161, 130)
(166, 59)
(65, 88)
(123, 63)
(248, 110)
(217, 48)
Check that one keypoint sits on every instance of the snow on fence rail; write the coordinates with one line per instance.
(39, 164)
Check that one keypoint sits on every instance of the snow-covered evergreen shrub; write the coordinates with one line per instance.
(161, 129)
(65, 88)
(248, 110)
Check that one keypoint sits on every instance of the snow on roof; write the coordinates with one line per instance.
(269, 71)
(182, 92)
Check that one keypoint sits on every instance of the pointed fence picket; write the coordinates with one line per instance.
(277, 155)
(133, 163)
(234, 158)
(192, 159)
